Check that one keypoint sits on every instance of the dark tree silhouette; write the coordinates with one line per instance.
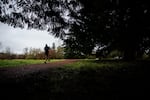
(53, 46)
(113, 24)
(50, 15)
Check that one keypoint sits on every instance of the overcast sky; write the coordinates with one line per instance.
(18, 39)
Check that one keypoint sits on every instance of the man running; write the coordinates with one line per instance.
(46, 49)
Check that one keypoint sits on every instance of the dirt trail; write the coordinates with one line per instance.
(24, 70)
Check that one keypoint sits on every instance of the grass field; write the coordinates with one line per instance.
(87, 80)
(21, 62)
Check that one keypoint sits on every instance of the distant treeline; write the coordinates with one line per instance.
(62, 52)
(34, 53)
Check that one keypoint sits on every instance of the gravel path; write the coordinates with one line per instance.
(24, 70)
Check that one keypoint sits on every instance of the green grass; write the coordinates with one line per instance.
(92, 64)
(86, 79)
(21, 62)
(102, 80)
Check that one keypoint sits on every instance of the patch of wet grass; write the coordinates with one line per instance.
(89, 80)
(22, 62)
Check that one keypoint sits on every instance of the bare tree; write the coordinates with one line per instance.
(0, 45)
(25, 51)
(7, 50)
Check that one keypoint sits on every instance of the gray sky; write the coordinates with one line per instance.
(18, 39)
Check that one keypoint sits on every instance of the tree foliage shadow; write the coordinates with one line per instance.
(107, 83)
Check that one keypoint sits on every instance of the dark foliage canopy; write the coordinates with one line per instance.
(50, 15)
(115, 24)
(85, 24)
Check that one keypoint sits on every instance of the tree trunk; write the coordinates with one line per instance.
(129, 54)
